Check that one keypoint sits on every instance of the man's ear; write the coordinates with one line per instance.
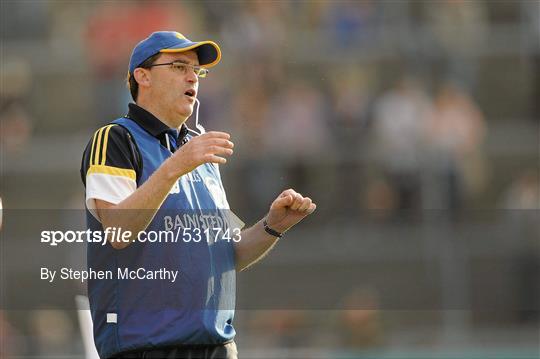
(142, 76)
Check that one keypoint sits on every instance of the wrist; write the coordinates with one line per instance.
(170, 171)
(271, 231)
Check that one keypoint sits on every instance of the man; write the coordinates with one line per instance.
(145, 172)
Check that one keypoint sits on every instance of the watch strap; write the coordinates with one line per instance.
(271, 231)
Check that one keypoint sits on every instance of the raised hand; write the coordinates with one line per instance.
(289, 208)
(206, 148)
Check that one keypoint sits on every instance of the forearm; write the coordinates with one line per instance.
(255, 243)
(135, 213)
(288, 209)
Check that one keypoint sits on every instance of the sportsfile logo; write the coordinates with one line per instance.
(117, 235)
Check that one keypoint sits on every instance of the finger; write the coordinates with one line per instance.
(216, 134)
(311, 208)
(304, 206)
(216, 150)
(288, 192)
(282, 202)
(297, 202)
(220, 142)
(210, 158)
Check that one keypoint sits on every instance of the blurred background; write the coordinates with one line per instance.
(414, 125)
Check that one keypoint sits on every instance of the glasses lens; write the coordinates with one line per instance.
(179, 66)
(201, 72)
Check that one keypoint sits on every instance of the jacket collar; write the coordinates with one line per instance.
(153, 125)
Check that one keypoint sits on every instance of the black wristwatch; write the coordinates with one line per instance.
(271, 231)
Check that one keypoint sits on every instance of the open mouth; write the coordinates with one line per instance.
(190, 93)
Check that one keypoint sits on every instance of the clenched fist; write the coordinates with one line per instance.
(206, 148)
(289, 208)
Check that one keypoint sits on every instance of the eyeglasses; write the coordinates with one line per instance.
(182, 67)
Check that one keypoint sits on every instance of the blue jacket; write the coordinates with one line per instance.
(198, 307)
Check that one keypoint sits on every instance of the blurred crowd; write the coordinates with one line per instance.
(376, 100)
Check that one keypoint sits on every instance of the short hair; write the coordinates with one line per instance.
(132, 84)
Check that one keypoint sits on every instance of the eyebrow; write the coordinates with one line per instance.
(185, 62)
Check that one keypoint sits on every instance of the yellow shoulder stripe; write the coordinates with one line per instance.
(93, 144)
(105, 138)
(101, 146)
(113, 171)
(98, 147)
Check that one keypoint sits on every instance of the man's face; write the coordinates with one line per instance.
(171, 88)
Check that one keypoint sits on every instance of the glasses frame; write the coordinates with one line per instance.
(200, 72)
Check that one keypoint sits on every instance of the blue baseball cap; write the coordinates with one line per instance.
(208, 52)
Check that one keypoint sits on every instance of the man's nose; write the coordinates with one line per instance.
(192, 77)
